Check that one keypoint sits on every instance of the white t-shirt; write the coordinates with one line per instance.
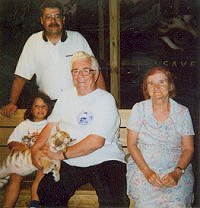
(95, 113)
(51, 63)
(26, 128)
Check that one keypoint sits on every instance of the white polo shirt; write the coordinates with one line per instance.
(51, 63)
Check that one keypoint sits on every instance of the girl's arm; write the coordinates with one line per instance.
(17, 146)
(36, 150)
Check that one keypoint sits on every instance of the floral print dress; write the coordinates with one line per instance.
(160, 145)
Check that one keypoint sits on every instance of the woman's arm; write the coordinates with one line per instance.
(172, 178)
(137, 156)
(187, 152)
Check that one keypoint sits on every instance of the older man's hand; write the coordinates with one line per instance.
(52, 155)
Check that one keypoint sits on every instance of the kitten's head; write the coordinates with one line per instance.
(59, 140)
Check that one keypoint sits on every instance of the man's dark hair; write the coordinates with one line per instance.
(51, 4)
(28, 113)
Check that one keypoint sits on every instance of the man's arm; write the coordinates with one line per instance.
(16, 90)
(100, 82)
(86, 146)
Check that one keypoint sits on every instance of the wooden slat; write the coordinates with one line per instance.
(4, 151)
(123, 136)
(114, 14)
(4, 135)
(124, 114)
(101, 29)
(14, 120)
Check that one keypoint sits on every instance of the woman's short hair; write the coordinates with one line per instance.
(155, 70)
(28, 113)
(83, 55)
(51, 4)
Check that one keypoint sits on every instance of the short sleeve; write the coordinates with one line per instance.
(58, 110)
(84, 44)
(26, 65)
(135, 119)
(186, 124)
(107, 120)
(18, 133)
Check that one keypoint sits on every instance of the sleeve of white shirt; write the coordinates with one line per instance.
(58, 109)
(106, 121)
(25, 65)
(18, 133)
(84, 44)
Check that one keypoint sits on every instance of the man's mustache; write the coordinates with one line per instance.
(53, 25)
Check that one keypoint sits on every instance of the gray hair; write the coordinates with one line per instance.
(51, 4)
(83, 55)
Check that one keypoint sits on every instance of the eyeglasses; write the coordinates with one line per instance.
(49, 17)
(84, 71)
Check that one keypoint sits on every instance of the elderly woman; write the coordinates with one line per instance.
(160, 142)
(90, 116)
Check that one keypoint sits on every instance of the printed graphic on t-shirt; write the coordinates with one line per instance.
(85, 118)
(30, 139)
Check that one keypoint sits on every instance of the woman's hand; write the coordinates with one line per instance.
(172, 178)
(153, 178)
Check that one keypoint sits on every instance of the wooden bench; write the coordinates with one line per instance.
(85, 196)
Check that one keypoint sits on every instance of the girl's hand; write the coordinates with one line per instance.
(172, 178)
(153, 178)
(19, 147)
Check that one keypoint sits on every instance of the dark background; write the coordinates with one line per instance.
(141, 42)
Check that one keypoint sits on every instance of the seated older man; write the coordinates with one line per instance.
(90, 116)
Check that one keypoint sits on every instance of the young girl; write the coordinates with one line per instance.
(34, 121)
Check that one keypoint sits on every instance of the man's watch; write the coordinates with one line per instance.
(181, 169)
(64, 153)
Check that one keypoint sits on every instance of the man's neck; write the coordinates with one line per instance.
(85, 91)
(53, 38)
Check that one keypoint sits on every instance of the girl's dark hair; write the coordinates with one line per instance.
(28, 113)
(51, 4)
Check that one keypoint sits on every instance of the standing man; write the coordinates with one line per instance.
(48, 54)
